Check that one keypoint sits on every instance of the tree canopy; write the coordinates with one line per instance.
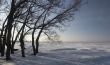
(25, 17)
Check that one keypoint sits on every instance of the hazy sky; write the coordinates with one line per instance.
(92, 23)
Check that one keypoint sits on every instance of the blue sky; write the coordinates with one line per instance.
(92, 23)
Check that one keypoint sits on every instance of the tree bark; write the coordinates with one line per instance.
(2, 39)
(8, 38)
(9, 29)
(37, 39)
(12, 47)
(33, 46)
(22, 45)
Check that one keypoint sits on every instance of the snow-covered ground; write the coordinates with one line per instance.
(64, 54)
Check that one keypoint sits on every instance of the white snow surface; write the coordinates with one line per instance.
(62, 54)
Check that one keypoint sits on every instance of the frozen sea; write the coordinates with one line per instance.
(63, 53)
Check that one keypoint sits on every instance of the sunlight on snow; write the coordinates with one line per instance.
(8, 63)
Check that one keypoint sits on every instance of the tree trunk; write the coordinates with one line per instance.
(8, 35)
(33, 46)
(8, 43)
(37, 40)
(3, 46)
(37, 46)
(12, 48)
(14, 41)
(2, 39)
(22, 42)
(8, 53)
(0, 47)
(22, 46)
(9, 30)
(3, 42)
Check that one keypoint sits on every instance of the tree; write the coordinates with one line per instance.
(35, 15)
(15, 5)
(58, 19)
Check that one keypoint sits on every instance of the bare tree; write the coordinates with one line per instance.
(35, 15)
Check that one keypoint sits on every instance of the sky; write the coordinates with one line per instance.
(91, 23)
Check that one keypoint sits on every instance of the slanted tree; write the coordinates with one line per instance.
(35, 15)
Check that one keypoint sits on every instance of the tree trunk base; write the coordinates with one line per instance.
(8, 59)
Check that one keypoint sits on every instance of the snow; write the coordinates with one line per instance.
(63, 54)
